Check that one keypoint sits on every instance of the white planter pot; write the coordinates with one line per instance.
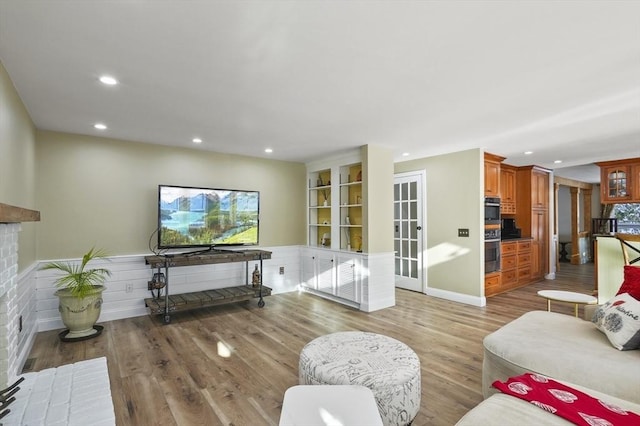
(80, 315)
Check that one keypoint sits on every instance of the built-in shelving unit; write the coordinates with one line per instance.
(336, 225)
(351, 207)
(331, 265)
(337, 262)
(320, 208)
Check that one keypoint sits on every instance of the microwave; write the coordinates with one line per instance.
(491, 211)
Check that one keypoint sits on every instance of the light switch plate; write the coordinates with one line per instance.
(463, 232)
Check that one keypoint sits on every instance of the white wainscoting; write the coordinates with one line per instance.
(118, 304)
(378, 283)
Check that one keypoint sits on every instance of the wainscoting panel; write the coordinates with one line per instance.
(131, 271)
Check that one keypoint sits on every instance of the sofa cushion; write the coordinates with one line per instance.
(563, 347)
(619, 320)
(631, 282)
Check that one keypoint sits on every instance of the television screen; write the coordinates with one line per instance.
(206, 217)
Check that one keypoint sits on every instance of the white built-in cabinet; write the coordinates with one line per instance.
(333, 258)
(333, 274)
(336, 262)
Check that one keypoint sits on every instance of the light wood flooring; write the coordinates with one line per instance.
(179, 374)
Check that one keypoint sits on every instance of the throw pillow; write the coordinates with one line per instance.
(631, 283)
(619, 320)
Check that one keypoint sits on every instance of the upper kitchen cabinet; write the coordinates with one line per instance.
(619, 181)
(539, 189)
(492, 174)
(507, 189)
(635, 177)
(532, 188)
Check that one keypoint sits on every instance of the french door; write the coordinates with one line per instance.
(408, 228)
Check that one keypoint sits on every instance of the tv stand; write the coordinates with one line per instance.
(179, 302)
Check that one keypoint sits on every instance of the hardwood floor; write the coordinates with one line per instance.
(232, 364)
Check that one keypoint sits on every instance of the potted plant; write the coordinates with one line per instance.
(80, 294)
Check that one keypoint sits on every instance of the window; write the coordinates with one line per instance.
(628, 216)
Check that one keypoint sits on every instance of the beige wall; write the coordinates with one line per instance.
(454, 187)
(103, 192)
(17, 163)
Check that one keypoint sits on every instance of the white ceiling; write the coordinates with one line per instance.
(312, 78)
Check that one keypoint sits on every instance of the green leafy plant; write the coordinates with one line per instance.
(77, 279)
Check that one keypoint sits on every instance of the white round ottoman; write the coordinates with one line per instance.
(387, 366)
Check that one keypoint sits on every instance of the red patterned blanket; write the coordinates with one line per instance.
(566, 402)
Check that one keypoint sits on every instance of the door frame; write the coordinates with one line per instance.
(421, 176)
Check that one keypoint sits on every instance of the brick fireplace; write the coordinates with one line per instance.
(73, 394)
(10, 219)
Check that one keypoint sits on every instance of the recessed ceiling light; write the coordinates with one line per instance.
(405, 154)
(108, 80)
(528, 152)
(268, 150)
(197, 140)
(558, 161)
(100, 126)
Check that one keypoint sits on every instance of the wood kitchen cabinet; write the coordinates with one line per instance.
(509, 266)
(515, 270)
(616, 183)
(492, 284)
(532, 189)
(532, 200)
(619, 181)
(524, 262)
(539, 189)
(507, 189)
(539, 244)
(635, 178)
(492, 174)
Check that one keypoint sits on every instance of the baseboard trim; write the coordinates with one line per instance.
(457, 297)
(112, 315)
(379, 304)
(331, 297)
(23, 355)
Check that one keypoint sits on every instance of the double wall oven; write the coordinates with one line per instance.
(491, 234)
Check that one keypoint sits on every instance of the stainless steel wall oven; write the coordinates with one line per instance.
(492, 224)
(491, 211)
(491, 256)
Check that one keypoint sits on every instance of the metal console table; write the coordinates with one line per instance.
(179, 302)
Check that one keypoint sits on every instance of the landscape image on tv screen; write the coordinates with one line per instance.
(196, 217)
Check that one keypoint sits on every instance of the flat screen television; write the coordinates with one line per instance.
(207, 217)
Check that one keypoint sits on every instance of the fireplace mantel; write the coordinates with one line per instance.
(13, 214)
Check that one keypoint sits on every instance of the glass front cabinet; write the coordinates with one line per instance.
(615, 183)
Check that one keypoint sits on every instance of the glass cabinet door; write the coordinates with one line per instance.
(617, 183)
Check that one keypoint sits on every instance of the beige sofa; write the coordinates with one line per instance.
(568, 349)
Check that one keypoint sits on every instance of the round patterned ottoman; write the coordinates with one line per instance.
(387, 366)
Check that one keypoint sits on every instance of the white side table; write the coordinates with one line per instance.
(321, 405)
(568, 297)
